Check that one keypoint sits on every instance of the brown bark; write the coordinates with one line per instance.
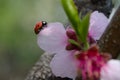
(104, 6)
(110, 41)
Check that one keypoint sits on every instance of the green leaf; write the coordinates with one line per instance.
(72, 14)
(83, 29)
(80, 26)
(74, 42)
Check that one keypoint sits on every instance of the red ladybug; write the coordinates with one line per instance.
(39, 26)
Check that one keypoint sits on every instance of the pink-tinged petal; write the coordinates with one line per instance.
(111, 71)
(98, 24)
(63, 65)
(52, 39)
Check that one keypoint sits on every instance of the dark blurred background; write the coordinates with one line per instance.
(18, 47)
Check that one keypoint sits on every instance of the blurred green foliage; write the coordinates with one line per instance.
(18, 46)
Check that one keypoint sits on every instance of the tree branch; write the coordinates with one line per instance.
(110, 41)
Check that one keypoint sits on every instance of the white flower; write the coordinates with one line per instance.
(53, 40)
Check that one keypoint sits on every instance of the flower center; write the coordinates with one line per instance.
(90, 63)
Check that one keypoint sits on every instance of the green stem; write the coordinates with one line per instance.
(86, 46)
(72, 14)
(80, 26)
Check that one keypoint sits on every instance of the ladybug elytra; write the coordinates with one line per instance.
(39, 26)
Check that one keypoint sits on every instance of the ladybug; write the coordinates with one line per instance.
(39, 26)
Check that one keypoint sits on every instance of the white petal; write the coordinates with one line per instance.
(52, 39)
(63, 65)
(98, 24)
(111, 71)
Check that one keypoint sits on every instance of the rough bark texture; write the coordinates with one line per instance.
(108, 42)
(41, 70)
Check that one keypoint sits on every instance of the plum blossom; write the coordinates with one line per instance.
(54, 40)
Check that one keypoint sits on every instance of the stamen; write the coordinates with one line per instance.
(90, 62)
